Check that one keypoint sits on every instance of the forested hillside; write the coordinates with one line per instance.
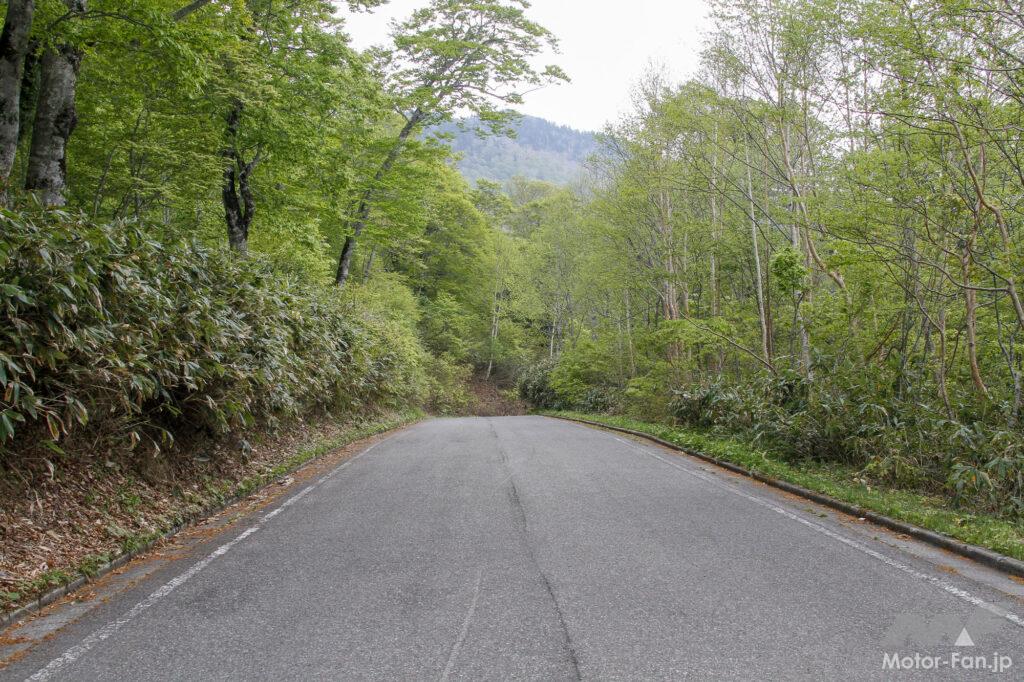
(538, 149)
(816, 243)
(251, 223)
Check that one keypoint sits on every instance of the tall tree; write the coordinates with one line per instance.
(454, 55)
(56, 115)
(13, 48)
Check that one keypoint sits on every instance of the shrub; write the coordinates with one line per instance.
(706, 405)
(851, 416)
(148, 339)
(598, 399)
(645, 396)
(535, 388)
(540, 387)
(447, 381)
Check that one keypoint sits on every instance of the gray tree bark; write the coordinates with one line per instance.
(13, 48)
(29, 91)
(55, 119)
(758, 276)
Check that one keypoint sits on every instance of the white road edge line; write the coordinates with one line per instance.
(464, 632)
(75, 652)
(108, 630)
(938, 582)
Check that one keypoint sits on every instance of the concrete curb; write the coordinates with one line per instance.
(120, 560)
(982, 555)
(47, 598)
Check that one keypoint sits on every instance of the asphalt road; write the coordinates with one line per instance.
(530, 548)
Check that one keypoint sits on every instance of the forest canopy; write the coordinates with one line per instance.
(816, 242)
(185, 185)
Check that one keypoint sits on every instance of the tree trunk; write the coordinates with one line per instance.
(940, 361)
(13, 48)
(670, 305)
(495, 319)
(29, 91)
(362, 214)
(971, 322)
(758, 276)
(368, 267)
(629, 335)
(1018, 397)
(345, 261)
(978, 182)
(670, 294)
(236, 190)
(239, 206)
(911, 295)
(55, 119)
(716, 296)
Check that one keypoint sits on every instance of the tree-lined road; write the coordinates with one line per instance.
(531, 548)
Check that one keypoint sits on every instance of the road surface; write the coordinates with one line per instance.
(532, 548)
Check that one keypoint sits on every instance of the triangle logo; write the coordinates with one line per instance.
(964, 639)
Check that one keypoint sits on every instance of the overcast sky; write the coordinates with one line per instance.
(605, 46)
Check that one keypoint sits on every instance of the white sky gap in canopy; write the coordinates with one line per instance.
(606, 45)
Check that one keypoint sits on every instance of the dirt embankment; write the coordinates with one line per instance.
(494, 398)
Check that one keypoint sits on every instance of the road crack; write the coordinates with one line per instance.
(464, 632)
(519, 513)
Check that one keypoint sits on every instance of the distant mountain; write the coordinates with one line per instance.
(541, 150)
